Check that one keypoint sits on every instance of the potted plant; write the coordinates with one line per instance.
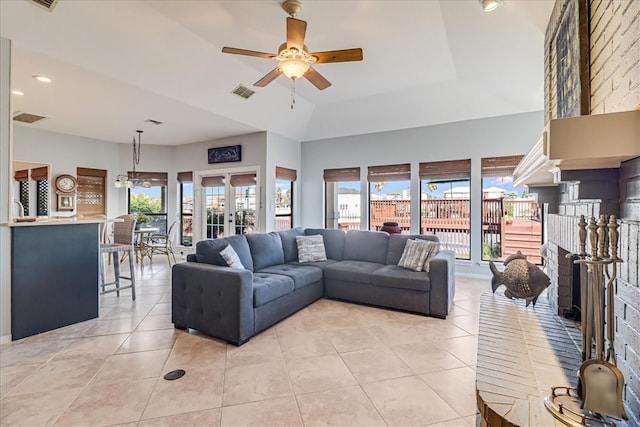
(142, 220)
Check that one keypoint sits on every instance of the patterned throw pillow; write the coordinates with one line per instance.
(417, 254)
(434, 248)
(311, 248)
(230, 256)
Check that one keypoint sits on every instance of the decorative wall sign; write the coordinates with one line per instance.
(567, 55)
(232, 153)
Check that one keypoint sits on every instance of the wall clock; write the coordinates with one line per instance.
(66, 183)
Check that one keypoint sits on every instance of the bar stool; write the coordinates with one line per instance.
(122, 243)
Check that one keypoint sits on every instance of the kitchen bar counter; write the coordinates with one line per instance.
(54, 274)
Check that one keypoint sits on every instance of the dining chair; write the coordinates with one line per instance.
(162, 244)
(122, 243)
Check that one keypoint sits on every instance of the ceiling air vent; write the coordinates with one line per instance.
(243, 91)
(27, 118)
(45, 4)
(153, 122)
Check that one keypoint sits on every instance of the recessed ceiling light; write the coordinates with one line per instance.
(17, 92)
(43, 79)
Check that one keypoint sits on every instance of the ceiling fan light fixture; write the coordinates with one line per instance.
(490, 5)
(293, 68)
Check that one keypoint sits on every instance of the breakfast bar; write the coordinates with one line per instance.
(54, 274)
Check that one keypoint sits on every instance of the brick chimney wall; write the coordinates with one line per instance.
(614, 86)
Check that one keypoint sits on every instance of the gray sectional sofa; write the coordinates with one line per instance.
(235, 304)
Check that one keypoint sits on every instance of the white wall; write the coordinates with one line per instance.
(473, 139)
(285, 153)
(6, 202)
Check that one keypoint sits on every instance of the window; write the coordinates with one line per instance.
(186, 207)
(41, 176)
(214, 200)
(91, 191)
(445, 208)
(148, 199)
(390, 196)
(511, 218)
(22, 177)
(244, 196)
(342, 198)
(284, 197)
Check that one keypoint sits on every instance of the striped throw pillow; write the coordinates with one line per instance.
(230, 256)
(311, 248)
(434, 248)
(415, 253)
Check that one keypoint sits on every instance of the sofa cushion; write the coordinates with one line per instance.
(267, 287)
(368, 246)
(311, 248)
(302, 275)
(435, 248)
(289, 245)
(416, 253)
(230, 257)
(266, 249)
(351, 271)
(397, 243)
(333, 241)
(208, 251)
(320, 264)
(394, 276)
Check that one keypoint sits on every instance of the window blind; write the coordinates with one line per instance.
(446, 170)
(157, 179)
(341, 175)
(212, 181)
(40, 174)
(91, 191)
(499, 166)
(184, 177)
(389, 173)
(22, 175)
(243, 180)
(286, 174)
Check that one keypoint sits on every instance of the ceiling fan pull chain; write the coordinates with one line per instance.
(293, 92)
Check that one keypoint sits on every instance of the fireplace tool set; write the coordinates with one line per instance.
(600, 383)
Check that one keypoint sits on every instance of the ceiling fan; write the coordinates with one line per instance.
(294, 58)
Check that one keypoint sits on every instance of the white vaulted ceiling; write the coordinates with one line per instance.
(117, 63)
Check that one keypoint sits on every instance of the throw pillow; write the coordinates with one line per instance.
(414, 254)
(434, 247)
(311, 248)
(230, 256)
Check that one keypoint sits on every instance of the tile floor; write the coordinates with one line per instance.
(332, 363)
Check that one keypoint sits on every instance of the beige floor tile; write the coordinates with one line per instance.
(161, 308)
(256, 382)
(94, 346)
(260, 349)
(165, 298)
(103, 404)
(426, 357)
(114, 326)
(198, 389)
(65, 333)
(470, 305)
(25, 353)
(329, 306)
(193, 351)
(342, 407)
(319, 373)
(408, 402)
(334, 321)
(208, 417)
(352, 339)
(375, 365)
(59, 375)
(298, 345)
(398, 332)
(469, 323)
(128, 309)
(36, 409)
(458, 422)
(11, 376)
(282, 411)
(149, 340)
(456, 387)
(464, 348)
(301, 322)
(153, 323)
(133, 366)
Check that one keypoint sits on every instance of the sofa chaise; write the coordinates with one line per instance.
(361, 266)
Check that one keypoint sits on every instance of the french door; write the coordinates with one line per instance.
(230, 204)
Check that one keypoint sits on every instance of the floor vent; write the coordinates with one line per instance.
(27, 118)
(243, 91)
(45, 4)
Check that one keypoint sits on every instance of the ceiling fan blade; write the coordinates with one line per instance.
(296, 30)
(268, 78)
(344, 55)
(246, 52)
(316, 78)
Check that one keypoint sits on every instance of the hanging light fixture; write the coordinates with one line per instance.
(132, 179)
